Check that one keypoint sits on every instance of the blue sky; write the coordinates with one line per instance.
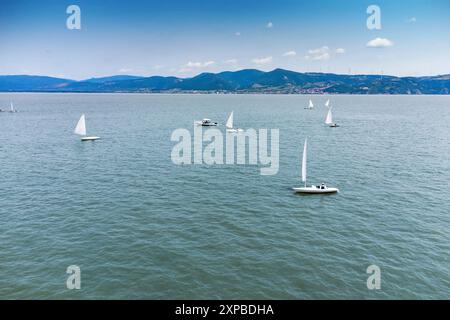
(187, 37)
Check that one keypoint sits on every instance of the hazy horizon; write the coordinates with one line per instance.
(188, 77)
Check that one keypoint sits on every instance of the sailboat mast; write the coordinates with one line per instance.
(304, 161)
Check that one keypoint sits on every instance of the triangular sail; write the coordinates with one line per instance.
(329, 119)
(311, 105)
(80, 129)
(12, 107)
(304, 161)
(327, 104)
(229, 123)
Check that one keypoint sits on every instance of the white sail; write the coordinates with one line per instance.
(304, 161)
(80, 129)
(327, 104)
(329, 119)
(229, 123)
(311, 105)
(12, 107)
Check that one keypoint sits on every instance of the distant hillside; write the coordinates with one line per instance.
(32, 83)
(112, 79)
(243, 81)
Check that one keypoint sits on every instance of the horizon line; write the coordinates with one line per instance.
(198, 74)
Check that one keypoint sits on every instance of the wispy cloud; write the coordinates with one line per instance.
(125, 70)
(231, 61)
(379, 43)
(269, 25)
(291, 53)
(237, 33)
(261, 61)
(412, 20)
(340, 50)
(191, 66)
(322, 53)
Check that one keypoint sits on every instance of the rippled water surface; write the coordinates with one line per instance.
(141, 227)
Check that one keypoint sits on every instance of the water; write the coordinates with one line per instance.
(139, 226)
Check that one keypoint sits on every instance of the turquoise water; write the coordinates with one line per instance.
(139, 226)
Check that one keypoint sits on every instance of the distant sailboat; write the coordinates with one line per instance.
(12, 110)
(80, 129)
(329, 119)
(327, 104)
(229, 124)
(322, 188)
(310, 105)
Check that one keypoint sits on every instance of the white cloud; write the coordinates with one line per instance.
(230, 61)
(379, 43)
(291, 53)
(264, 60)
(237, 33)
(269, 25)
(321, 50)
(158, 67)
(340, 50)
(125, 70)
(191, 66)
(322, 53)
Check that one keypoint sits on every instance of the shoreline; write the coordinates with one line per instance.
(226, 94)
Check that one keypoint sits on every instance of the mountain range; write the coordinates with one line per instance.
(243, 81)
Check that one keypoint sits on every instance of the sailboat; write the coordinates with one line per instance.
(310, 105)
(12, 110)
(322, 188)
(327, 104)
(229, 124)
(329, 119)
(80, 129)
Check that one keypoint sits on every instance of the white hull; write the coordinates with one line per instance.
(89, 138)
(315, 190)
(206, 124)
(235, 130)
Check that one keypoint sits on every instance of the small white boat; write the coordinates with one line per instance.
(327, 104)
(322, 188)
(310, 105)
(206, 123)
(80, 129)
(316, 189)
(329, 119)
(229, 124)
(12, 110)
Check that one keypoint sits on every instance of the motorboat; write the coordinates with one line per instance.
(206, 123)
